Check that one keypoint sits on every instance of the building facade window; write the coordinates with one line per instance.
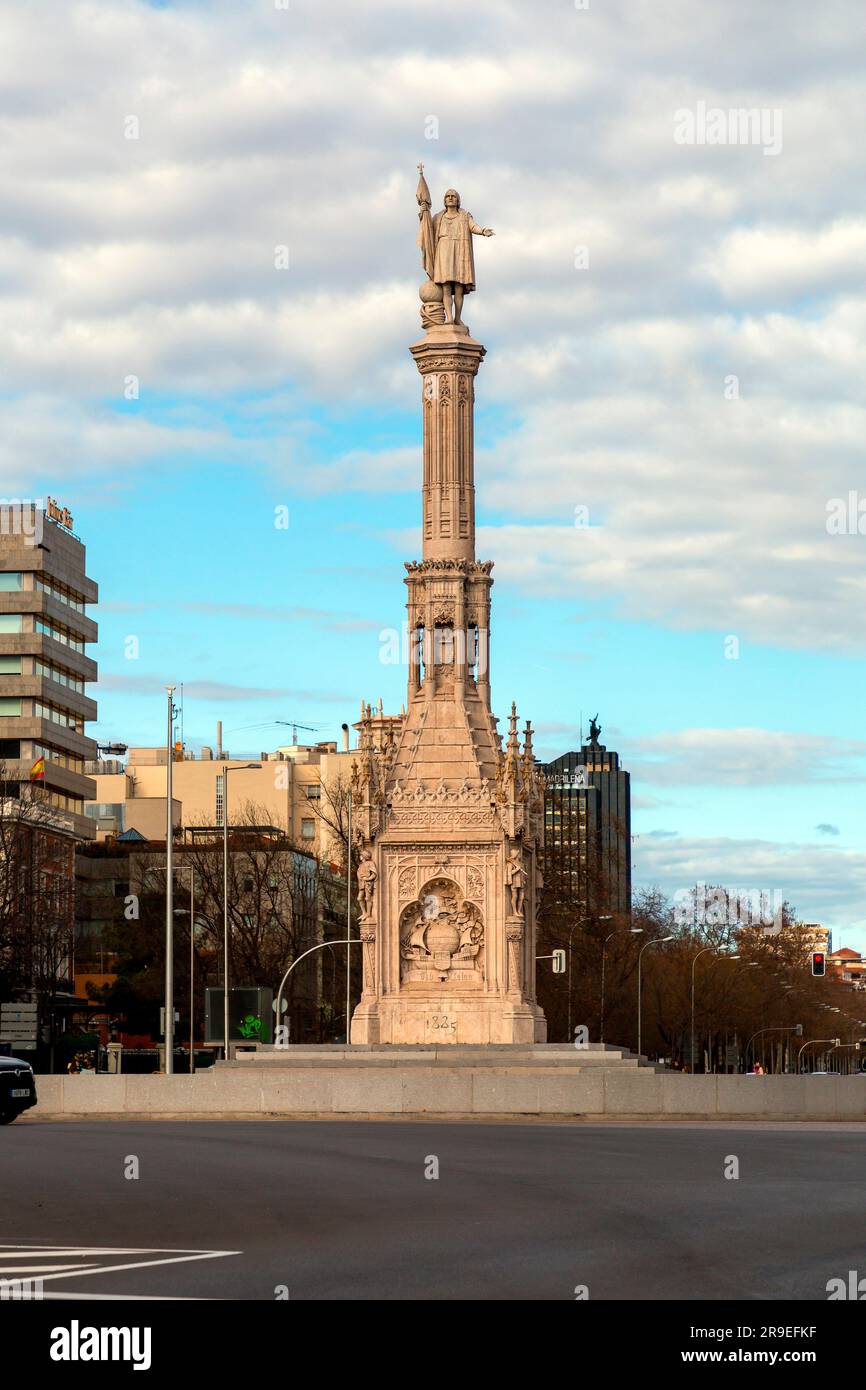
(58, 674)
(61, 592)
(57, 716)
(308, 829)
(53, 630)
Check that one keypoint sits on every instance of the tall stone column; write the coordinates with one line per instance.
(448, 360)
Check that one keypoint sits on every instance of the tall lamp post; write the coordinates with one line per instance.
(168, 1034)
(349, 923)
(226, 770)
(658, 941)
(579, 922)
(633, 931)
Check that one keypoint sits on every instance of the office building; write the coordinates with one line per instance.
(44, 666)
(587, 813)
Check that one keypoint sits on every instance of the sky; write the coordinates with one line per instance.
(208, 276)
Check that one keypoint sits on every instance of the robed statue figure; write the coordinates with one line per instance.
(446, 247)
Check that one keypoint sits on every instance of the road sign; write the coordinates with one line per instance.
(19, 1024)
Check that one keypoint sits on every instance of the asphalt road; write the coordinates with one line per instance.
(343, 1210)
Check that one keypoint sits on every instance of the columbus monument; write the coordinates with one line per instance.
(448, 813)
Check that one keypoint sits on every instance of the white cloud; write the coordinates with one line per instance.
(745, 757)
(603, 387)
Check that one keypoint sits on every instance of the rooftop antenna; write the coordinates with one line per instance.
(294, 726)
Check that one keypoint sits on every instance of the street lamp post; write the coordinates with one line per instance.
(633, 931)
(349, 922)
(811, 1043)
(658, 941)
(787, 1028)
(168, 1034)
(226, 771)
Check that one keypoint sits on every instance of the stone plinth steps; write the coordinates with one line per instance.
(557, 1057)
(451, 1079)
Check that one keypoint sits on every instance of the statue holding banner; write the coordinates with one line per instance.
(446, 254)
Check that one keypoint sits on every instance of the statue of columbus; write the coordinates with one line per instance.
(446, 247)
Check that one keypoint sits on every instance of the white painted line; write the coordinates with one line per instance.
(146, 1264)
(119, 1298)
(39, 1269)
(38, 1252)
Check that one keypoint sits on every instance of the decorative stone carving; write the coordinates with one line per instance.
(432, 306)
(514, 935)
(368, 956)
(441, 935)
(479, 568)
(406, 882)
(440, 820)
(422, 795)
(475, 883)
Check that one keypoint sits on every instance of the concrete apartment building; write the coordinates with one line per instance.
(44, 666)
(287, 790)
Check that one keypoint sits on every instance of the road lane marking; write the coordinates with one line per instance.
(41, 1262)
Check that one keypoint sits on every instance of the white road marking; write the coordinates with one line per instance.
(47, 1272)
(148, 1264)
(122, 1298)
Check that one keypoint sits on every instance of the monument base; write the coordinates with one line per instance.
(446, 1020)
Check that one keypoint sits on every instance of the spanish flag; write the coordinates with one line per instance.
(37, 771)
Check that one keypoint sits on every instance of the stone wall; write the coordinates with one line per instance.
(463, 1091)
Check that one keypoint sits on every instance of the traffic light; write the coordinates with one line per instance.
(559, 962)
(819, 963)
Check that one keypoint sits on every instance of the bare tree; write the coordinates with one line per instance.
(36, 894)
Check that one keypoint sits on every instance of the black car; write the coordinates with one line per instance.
(17, 1088)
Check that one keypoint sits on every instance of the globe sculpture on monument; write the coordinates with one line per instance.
(448, 821)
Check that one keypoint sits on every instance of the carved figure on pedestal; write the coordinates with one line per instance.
(446, 252)
(515, 879)
(367, 875)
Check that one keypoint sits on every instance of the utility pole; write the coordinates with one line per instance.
(168, 1035)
